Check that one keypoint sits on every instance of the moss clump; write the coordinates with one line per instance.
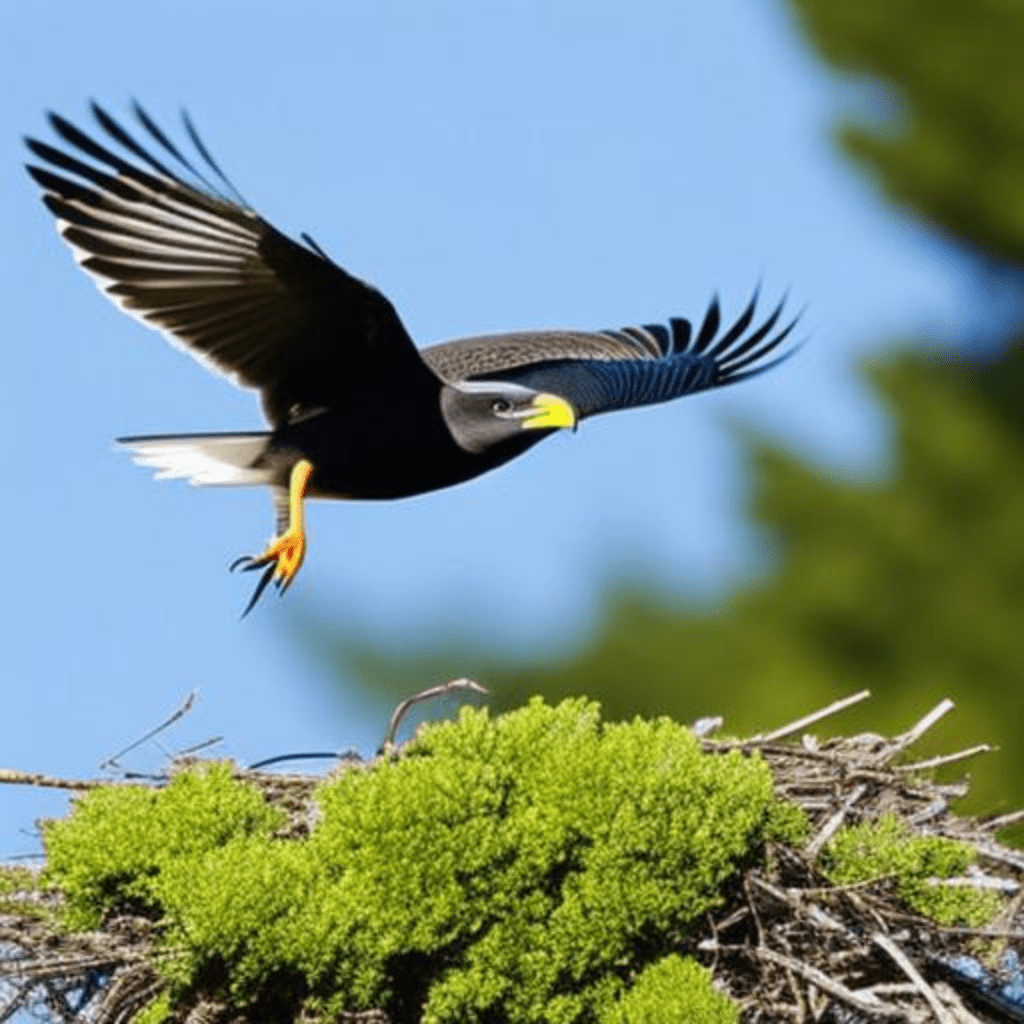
(673, 991)
(16, 880)
(18, 886)
(520, 869)
(787, 823)
(887, 847)
(110, 853)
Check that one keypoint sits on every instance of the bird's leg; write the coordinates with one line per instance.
(284, 555)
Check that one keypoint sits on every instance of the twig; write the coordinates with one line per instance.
(128, 993)
(196, 747)
(741, 914)
(981, 933)
(936, 762)
(915, 732)
(938, 1010)
(47, 967)
(839, 889)
(890, 988)
(829, 829)
(824, 757)
(753, 910)
(185, 708)
(952, 790)
(977, 882)
(1003, 821)
(816, 716)
(1008, 915)
(1000, 854)
(793, 899)
(933, 810)
(955, 1004)
(874, 1008)
(434, 691)
(13, 777)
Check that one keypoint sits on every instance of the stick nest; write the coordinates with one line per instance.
(786, 943)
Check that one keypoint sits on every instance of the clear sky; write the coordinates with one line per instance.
(490, 166)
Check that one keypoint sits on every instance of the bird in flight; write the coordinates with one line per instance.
(355, 410)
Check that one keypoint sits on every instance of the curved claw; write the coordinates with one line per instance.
(283, 583)
(260, 586)
(281, 562)
(249, 562)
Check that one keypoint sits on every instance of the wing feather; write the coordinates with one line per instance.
(182, 251)
(602, 371)
(491, 356)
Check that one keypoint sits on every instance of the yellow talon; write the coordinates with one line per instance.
(284, 555)
(287, 553)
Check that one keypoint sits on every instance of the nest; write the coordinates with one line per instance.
(790, 946)
(787, 944)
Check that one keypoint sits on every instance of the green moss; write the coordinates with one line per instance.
(673, 991)
(787, 823)
(18, 889)
(156, 1012)
(887, 848)
(520, 868)
(111, 851)
(17, 880)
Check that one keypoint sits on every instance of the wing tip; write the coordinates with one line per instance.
(740, 351)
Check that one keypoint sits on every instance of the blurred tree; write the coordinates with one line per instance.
(946, 144)
(913, 586)
(949, 146)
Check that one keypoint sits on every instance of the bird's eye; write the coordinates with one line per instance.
(501, 405)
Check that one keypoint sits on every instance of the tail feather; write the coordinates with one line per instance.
(205, 460)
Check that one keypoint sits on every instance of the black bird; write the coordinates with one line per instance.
(355, 410)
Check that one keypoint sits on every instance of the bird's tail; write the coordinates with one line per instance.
(205, 460)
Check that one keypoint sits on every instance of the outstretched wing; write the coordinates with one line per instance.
(172, 242)
(606, 370)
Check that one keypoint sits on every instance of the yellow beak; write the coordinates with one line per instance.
(551, 413)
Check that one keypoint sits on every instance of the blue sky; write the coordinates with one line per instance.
(489, 166)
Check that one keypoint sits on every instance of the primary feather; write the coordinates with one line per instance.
(191, 258)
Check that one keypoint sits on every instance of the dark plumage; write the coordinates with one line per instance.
(355, 410)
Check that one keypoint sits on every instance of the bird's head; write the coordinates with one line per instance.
(482, 414)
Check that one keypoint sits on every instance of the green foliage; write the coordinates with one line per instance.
(673, 991)
(520, 869)
(112, 850)
(787, 823)
(156, 1012)
(14, 880)
(17, 887)
(951, 148)
(948, 147)
(887, 848)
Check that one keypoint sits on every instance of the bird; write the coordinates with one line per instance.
(354, 410)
